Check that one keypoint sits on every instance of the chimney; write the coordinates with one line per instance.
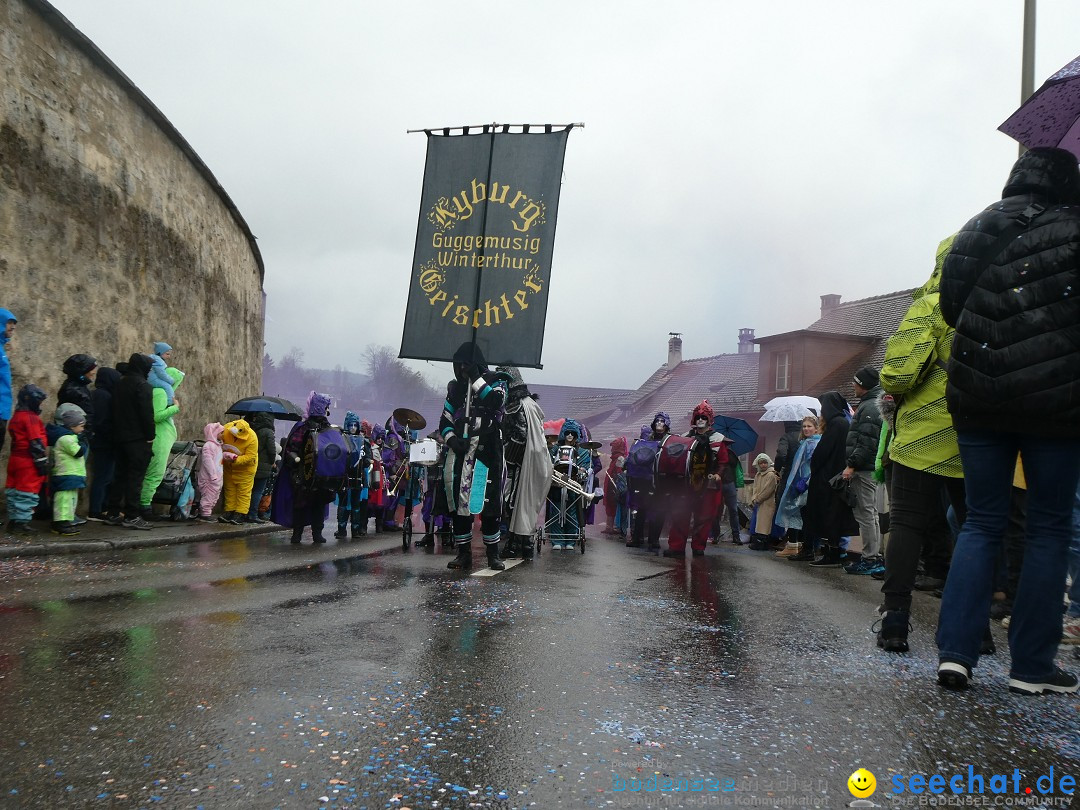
(746, 341)
(829, 303)
(674, 349)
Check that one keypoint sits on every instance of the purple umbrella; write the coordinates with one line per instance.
(1051, 117)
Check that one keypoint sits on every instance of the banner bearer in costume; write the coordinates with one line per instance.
(239, 478)
(708, 457)
(528, 465)
(472, 472)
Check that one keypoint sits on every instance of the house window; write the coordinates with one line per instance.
(783, 371)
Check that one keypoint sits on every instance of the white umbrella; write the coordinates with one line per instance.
(790, 409)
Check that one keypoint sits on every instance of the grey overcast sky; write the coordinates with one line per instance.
(739, 159)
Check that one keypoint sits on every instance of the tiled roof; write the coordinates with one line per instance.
(559, 401)
(877, 316)
(728, 381)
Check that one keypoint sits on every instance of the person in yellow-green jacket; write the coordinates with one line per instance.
(164, 437)
(924, 460)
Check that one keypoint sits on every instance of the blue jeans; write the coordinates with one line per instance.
(1052, 470)
(258, 487)
(1074, 560)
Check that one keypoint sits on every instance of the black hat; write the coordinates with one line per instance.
(866, 377)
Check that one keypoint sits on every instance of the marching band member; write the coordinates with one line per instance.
(528, 465)
(611, 493)
(353, 499)
(651, 503)
(395, 458)
(377, 478)
(474, 456)
(564, 520)
(707, 460)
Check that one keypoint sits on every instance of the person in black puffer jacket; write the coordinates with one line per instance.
(102, 455)
(133, 432)
(80, 370)
(263, 425)
(1014, 387)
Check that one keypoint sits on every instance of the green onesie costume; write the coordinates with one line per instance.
(164, 437)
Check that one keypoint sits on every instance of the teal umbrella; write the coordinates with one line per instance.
(743, 437)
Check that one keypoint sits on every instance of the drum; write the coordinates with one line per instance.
(641, 460)
(673, 460)
(425, 453)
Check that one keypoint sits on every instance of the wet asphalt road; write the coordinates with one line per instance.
(251, 673)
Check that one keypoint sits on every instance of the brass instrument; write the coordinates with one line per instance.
(563, 481)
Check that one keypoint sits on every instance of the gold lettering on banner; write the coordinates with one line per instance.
(508, 252)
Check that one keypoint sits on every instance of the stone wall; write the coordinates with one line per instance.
(113, 233)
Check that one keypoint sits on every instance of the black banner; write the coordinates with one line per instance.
(483, 246)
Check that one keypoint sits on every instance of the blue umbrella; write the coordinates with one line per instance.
(275, 406)
(744, 438)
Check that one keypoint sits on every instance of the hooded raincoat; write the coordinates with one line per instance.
(164, 438)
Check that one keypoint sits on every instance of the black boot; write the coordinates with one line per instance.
(297, 535)
(359, 527)
(510, 552)
(316, 535)
(427, 541)
(464, 556)
(830, 559)
(526, 547)
(806, 554)
(340, 534)
(892, 637)
(494, 563)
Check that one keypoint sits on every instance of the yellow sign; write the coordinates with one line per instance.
(862, 784)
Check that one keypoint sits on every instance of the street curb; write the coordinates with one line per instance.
(151, 539)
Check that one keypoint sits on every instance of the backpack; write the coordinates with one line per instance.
(324, 457)
(641, 460)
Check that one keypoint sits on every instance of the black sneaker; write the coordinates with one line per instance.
(953, 675)
(1059, 681)
(97, 517)
(114, 520)
(137, 522)
(925, 583)
(65, 528)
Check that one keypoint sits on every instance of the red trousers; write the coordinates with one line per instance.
(702, 508)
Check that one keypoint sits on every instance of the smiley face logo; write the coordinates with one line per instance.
(862, 784)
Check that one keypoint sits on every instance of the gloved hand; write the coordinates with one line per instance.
(473, 372)
(458, 444)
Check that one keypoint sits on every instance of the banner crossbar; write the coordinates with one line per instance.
(486, 128)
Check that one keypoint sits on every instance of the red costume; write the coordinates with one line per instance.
(614, 467)
(22, 474)
(703, 496)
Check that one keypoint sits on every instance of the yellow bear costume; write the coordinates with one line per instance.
(239, 438)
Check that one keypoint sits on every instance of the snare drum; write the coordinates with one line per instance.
(674, 458)
(425, 453)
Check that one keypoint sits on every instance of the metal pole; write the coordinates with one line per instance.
(1027, 68)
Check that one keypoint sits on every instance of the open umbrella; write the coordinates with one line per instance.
(275, 406)
(1051, 117)
(743, 437)
(790, 409)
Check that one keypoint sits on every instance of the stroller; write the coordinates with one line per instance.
(177, 488)
(568, 500)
